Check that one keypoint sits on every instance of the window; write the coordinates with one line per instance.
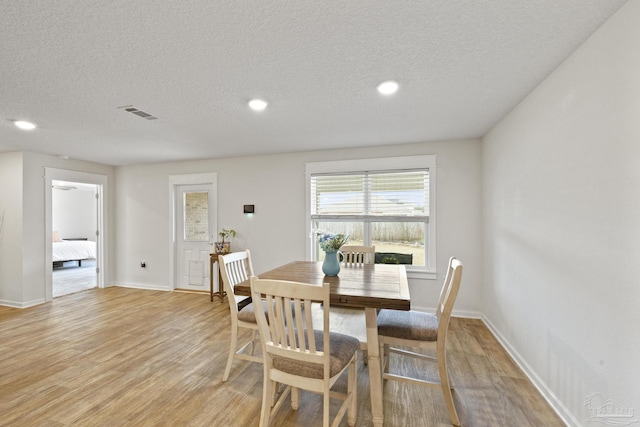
(388, 203)
(196, 216)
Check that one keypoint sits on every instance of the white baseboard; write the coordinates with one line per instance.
(465, 313)
(27, 304)
(544, 390)
(145, 286)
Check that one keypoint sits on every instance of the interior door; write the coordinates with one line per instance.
(193, 236)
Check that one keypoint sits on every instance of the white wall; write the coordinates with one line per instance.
(74, 213)
(276, 233)
(11, 234)
(561, 181)
(33, 216)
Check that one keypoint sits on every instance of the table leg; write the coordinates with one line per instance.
(375, 370)
(211, 278)
(221, 292)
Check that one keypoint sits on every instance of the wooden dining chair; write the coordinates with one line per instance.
(236, 267)
(418, 330)
(358, 255)
(350, 320)
(301, 354)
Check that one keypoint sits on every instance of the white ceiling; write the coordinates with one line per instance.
(462, 64)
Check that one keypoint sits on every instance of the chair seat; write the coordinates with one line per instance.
(409, 325)
(248, 314)
(342, 348)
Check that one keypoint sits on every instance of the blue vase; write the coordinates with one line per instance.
(331, 266)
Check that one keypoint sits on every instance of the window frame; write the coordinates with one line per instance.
(386, 164)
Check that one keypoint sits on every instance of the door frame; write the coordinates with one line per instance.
(101, 183)
(208, 178)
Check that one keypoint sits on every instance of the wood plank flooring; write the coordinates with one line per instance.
(126, 357)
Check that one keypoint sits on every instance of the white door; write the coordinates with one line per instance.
(194, 208)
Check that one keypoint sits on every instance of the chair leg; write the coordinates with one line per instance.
(352, 381)
(325, 409)
(384, 358)
(295, 398)
(267, 393)
(274, 393)
(232, 351)
(253, 343)
(446, 387)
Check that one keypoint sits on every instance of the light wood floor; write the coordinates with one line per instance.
(118, 356)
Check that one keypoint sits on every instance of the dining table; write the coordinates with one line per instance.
(369, 287)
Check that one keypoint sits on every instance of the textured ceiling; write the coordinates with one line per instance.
(69, 65)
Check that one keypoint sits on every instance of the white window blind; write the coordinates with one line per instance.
(389, 196)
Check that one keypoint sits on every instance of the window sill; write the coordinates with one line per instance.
(421, 274)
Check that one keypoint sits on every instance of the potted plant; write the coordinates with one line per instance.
(224, 246)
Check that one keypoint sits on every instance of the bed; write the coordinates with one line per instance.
(72, 250)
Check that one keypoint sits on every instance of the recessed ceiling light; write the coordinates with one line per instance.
(257, 104)
(24, 125)
(388, 87)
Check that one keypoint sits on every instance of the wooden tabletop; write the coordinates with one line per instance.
(369, 286)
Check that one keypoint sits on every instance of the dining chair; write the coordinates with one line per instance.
(347, 319)
(236, 267)
(419, 330)
(358, 255)
(300, 354)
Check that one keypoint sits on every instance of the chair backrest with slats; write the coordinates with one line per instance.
(358, 255)
(235, 268)
(448, 294)
(289, 331)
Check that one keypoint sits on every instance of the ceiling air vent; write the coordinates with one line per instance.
(140, 113)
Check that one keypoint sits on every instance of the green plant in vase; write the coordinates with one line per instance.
(224, 245)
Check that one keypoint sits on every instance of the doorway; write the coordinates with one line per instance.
(194, 205)
(74, 218)
(96, 186)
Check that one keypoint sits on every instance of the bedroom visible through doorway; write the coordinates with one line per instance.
(74, 220)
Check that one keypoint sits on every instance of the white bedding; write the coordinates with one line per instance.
(71, 250)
